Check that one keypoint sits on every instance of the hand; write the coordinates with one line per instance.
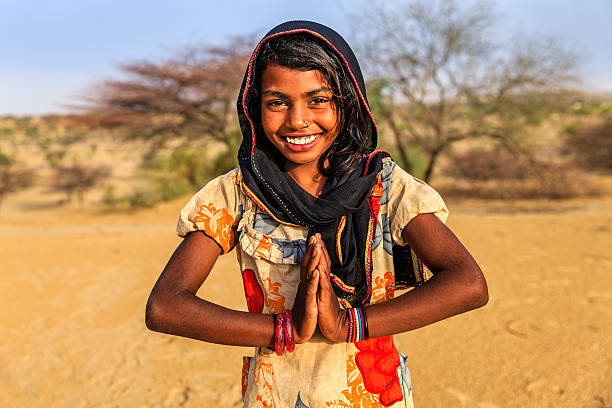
(332, 319)
(305, 309)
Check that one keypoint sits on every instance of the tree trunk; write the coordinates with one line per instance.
(400, 146)
(433, 158)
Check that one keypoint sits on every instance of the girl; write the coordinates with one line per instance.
(325, 231)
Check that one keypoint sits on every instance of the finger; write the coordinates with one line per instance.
(305, 259)
(321, 292)
(325, 282)
(309, 248)
(313, 261)
(325, 260)
(325, 257)
(311, 292)
(313, 283)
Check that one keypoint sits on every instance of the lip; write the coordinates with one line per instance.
(300, 134)
(302, 147)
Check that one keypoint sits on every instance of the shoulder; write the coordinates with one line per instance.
(215, 209)
(406, 197)
(222, 187)
(227, 180)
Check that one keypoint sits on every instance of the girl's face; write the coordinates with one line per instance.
(298, 114)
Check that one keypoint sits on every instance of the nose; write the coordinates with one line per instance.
(297, 117)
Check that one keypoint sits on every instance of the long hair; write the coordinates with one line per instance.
(305, 53)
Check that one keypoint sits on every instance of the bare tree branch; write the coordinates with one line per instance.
(188, 96)
(451, 80)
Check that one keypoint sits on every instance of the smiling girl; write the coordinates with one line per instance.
(325, 230)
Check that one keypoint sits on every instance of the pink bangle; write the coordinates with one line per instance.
(289, 341)
(279, 334)
(349, 338)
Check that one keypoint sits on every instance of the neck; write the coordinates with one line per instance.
(308, 177)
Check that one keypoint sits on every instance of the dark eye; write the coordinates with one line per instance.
(319, 100)
(275, 103)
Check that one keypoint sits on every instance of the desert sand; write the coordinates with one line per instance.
(74, 285)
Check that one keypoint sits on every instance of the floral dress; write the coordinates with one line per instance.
(319, 373)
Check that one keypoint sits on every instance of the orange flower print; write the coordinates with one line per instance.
(264, 247)
(383, 288)
(274, 300)
(355, 395)
(217, 224)
(237, 178)
(263, 370)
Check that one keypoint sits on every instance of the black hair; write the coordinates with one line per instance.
(305, 53)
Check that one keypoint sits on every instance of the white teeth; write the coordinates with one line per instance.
(301, 140)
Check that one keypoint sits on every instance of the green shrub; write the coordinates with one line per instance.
(110, 198)
(143, 195)
(417, 159)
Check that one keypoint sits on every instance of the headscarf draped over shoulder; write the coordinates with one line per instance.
(344, 213)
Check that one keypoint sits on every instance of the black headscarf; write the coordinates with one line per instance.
(344, 213)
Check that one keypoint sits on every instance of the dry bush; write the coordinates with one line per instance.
(491, 174)
(552, 186)
(483, 164)
(591, 145)
(14, 176)
(77, 179)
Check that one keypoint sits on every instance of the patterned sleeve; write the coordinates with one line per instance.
(214, 210)
(409, 197)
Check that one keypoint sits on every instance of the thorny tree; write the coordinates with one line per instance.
(13, 176)
(188, 97)
(77, 178)
(440, 78)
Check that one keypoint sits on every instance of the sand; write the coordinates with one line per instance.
(74, 285)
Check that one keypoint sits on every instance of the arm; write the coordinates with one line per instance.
(457, 286)
(174, 308)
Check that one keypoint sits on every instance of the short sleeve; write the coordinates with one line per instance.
(214, 210)
(409, 197)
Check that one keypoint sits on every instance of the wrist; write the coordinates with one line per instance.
(297, 338)
(344, 326)
(284, 333)
(300, 339)
(357, 323)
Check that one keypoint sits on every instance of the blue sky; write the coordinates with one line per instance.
(51, 50)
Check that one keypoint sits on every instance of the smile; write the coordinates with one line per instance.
(301, 140)
(301, 143)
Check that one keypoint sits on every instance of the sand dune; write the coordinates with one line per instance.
(74, 285)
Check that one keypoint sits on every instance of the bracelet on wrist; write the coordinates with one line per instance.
(289, 340)
(283, 333)
(279, 334)
(358, 325)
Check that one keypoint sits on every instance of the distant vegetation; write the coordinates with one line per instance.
(591, 145)
(474, 118)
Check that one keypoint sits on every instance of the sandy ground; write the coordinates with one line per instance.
(74, 285)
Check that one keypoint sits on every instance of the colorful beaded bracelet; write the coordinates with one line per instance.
(358, 325)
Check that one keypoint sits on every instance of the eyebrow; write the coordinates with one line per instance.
(284, 95)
